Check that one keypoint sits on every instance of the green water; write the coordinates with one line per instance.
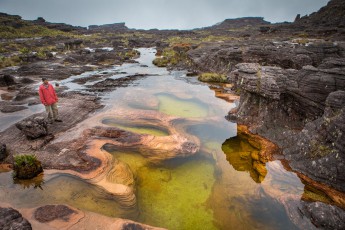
(173, 195)
(140, 128)
(174, 106)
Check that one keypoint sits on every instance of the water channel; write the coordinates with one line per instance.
(216, 188)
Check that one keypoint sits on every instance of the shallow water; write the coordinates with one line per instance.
(215, 189)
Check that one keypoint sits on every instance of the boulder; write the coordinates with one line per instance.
(33, 127)
(6, 80)
(12, 219)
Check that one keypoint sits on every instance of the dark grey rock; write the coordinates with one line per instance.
(300, 110)
(3, 152)
(33, 127)
(11, 219)
(324, 216)
(12, 108)
(7, 80)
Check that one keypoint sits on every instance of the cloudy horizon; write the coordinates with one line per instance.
(160, 14)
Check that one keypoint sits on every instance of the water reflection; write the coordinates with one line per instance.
(140, 128)
(245, 157)
(36, 182)
(61, 189)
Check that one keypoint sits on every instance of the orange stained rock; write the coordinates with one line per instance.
(336, 196)
(266, 148)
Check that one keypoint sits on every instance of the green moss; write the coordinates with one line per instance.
(161, 62)
(9, 61)
(212, 77)
(26, 166)
(170, 58)
(29, 31)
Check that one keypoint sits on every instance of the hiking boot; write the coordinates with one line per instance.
(58, 120)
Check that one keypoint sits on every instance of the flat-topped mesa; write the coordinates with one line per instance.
(57, 26)
(109, 27)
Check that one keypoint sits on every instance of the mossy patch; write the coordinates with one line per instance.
(212, 77)
(26, 166)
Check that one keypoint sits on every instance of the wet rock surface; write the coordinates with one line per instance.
(12, 219)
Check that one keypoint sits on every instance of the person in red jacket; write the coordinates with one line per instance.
(49, 100)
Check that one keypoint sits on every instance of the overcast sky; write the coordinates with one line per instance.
(161, 14)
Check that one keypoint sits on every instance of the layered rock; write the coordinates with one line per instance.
(302, 111)
(223, 57)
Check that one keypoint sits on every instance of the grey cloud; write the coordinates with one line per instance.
(146, 14)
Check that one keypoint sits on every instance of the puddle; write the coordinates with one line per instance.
(61, 189)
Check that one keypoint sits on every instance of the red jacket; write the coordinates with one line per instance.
(47, 95)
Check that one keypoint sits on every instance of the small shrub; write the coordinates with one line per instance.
(26, 166)
(212, 77)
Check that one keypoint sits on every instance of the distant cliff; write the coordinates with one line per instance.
(109, 27)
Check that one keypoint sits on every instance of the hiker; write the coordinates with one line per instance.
(49, 100)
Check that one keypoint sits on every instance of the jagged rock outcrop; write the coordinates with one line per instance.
(302, 111)
(223, 57)
(33, 127)
(333, 14)
(11, 219)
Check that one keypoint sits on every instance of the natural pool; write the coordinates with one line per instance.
(216, 188)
